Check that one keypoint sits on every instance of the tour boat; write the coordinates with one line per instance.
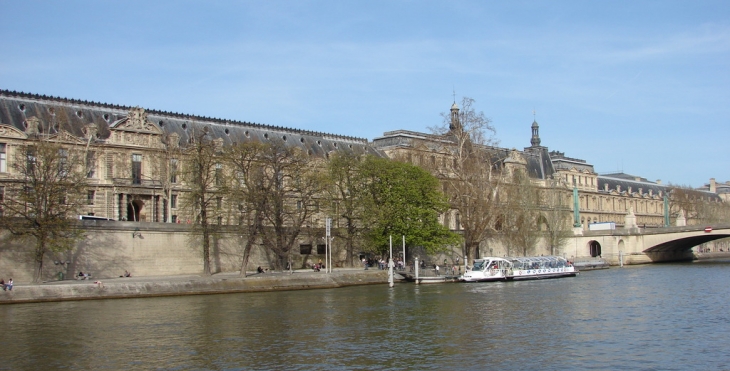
(519, 268)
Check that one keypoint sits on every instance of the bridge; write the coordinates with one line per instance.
(645, 245)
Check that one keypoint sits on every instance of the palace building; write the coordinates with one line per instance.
(123, 141)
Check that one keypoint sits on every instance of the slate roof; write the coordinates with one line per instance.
(72, 115)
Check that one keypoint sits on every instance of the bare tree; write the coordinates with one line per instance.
(520, 211)
(48, 194)
(690, 202)
(202, 173)
(556, 215)
(246, 188)
(346, 190)
(469, 172)
(290, 183)
(166, 171)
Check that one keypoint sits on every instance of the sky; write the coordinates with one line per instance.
(634, 86)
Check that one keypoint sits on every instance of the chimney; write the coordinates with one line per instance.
(659, 181)
(713, 185)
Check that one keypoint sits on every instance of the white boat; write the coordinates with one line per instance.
(487, 269)
(519, 268)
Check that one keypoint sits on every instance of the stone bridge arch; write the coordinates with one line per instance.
(684, 243)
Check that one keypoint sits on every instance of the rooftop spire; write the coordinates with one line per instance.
(535, 141)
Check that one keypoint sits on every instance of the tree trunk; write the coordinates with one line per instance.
(39, 254)
(206, 241)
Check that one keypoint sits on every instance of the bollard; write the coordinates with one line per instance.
(416, 265)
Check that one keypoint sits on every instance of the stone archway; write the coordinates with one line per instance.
(594, 248)
(134, 210)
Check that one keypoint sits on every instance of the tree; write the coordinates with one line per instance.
(696, 205)
(247, 189)
(202, 174)
(166, 170)
(290, 184)
(556, 215)
(346, 190)
(404, 200)
(520, 211)
(469, 172)
(46, 198)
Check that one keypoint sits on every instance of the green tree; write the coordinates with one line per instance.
(404, 200)
(50, 191)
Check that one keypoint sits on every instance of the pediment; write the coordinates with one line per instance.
(136, 121)
(66, 137)
(7, 131)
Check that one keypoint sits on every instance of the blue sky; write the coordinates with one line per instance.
(638, 86)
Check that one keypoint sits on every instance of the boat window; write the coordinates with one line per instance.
(478, 265)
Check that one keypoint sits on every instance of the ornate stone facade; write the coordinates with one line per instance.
(601, 198)
(125, 146)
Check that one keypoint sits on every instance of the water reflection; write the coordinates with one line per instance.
(652, 317)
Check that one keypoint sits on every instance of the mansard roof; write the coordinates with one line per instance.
(537, 159)
(72, 115)
(623, 182)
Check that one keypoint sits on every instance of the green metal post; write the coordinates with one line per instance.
(576, 208)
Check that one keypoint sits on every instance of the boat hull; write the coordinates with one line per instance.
(542, 274)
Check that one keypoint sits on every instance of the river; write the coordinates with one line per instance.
(652, 317)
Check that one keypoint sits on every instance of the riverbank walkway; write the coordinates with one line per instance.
(220, 283)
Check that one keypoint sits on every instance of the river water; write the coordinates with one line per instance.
(654, 317)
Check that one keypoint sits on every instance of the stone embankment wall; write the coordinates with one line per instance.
(188, 285)
(144, 249)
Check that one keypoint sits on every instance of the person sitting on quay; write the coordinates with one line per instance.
(8, 286)
(83, 276)
(126, 274)
(259, 270)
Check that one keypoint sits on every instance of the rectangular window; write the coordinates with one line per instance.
(218, 174)
(173, 202)
(173, 170)
(90, 197)
(90, 164)
(136, 169)
(174, 218)
(2, 194)
(305, 249)
(218, 202)
(30, 161)
(62, 162)
(3, 158)
(321, 249)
